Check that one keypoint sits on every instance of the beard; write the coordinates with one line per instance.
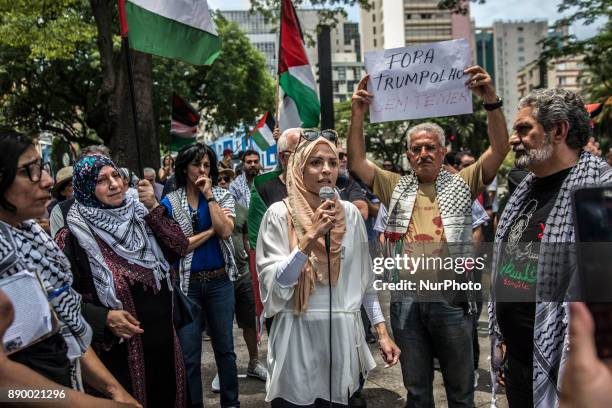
(526, 157)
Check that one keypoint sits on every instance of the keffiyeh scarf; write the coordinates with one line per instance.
(28, 247)
(556, 277)
(125, 231)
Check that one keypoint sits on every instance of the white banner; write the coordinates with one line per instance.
(421, 81)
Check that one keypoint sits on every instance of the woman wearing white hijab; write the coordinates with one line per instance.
(294, 277)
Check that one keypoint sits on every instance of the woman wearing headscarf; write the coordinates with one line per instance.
(64, 356)
(206, 215)
(294, 277)
(116, 246)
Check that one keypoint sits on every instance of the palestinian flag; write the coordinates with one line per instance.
(300, 105)
(181, 30)
(262, 134)
(184, 123)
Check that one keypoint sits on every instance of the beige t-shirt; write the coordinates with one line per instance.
(426, 223)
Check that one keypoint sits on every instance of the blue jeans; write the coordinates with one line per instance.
(434, 329)
(216, 298)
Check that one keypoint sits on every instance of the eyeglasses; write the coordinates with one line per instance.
(428, 148)
(342, 155)
(33, 169)
(225, 178)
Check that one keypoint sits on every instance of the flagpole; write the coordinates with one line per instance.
(280, 46)
(126, 46)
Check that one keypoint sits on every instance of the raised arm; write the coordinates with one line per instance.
(481, 84)
(357, 161)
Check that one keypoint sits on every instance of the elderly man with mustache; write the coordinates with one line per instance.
(533, 270)
(430, 213)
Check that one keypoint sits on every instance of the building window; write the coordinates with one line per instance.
(521, 49)
(373, 17)
(520, 40)
(341, 73)
(426, 16)
(562, 81)
(408, 16)
(520, 29)
(375, 42)
(521, 59)
(374, 30)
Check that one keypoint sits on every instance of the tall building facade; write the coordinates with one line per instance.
(397, 23)
(563, 72)
(484, 49)
(347, 66)
(516, 44)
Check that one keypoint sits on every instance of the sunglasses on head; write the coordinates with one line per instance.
(313, 134)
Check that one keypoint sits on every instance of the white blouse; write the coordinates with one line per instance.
(298, 345)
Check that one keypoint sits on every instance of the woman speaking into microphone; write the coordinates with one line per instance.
(295, 275)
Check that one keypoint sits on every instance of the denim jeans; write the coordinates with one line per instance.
(216, 298)
(424, 329)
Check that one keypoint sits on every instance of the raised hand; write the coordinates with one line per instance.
(361, 98)
(481, 84)
(146, 194)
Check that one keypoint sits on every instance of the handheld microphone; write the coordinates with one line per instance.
(327, 193)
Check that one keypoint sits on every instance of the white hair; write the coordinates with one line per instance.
(148, 170)
(281, 144)
(429, 127)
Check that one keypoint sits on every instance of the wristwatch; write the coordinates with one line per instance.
(212, 199)
(495, 105)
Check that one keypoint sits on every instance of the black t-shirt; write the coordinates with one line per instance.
(349, 189)
(272, 191)
(515, 287)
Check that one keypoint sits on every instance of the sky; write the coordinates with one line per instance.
(484, 14)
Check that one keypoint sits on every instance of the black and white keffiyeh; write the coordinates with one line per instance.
(28, 247)
(126, 233)
(555, 277)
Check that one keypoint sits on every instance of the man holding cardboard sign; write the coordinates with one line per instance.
(431, 207)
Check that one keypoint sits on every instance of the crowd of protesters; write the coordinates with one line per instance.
(138, 273)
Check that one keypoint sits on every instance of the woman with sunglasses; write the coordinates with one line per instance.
(294, 277)
(205, 213)
(65, 355)
(117, 247)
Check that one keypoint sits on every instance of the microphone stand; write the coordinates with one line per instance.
(327, 251)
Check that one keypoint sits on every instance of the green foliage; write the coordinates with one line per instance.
(49, 29)
(51, 76)
(597, 51)
(234, 91)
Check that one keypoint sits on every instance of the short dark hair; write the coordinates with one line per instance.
(461, 155)
(194, 152)
(250, 152)
(12, 146)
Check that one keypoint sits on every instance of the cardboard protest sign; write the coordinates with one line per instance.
(420, 81)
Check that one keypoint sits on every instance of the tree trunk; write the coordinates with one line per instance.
(111, 116)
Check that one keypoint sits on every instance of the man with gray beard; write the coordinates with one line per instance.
(533, 273)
